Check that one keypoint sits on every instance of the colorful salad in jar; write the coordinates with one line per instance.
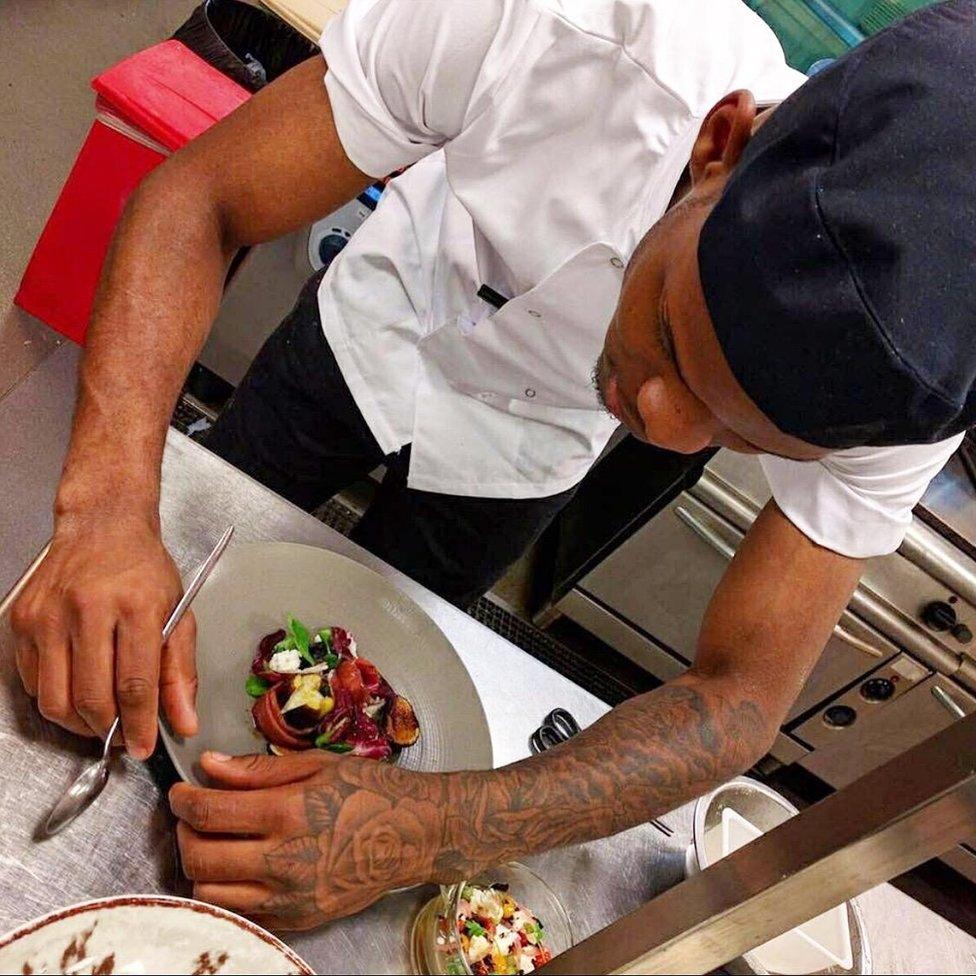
(312, 690)
(497, 934)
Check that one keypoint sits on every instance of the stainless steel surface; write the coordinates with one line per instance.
(839, 756)
(952, 498)
(720, 545)
(704, 532)
(924, 547)
(611, 628)
(35, 419)
(900, 627)
(8, 601)
(85, 790)
(885, 823)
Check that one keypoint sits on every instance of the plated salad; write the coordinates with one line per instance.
(497, 934)
(313, 691)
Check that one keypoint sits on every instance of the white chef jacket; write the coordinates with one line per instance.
(546, 137)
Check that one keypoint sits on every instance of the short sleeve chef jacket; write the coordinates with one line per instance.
(545, 137)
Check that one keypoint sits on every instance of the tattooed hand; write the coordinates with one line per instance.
(297, 840)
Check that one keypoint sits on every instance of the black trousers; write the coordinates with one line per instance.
(293, 425)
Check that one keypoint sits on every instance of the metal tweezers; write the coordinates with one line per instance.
(558, 727)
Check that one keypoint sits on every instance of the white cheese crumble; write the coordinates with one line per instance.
(478, 948)
(285, 661)
(505, 938)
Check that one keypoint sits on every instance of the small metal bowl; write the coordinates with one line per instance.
(753, 804)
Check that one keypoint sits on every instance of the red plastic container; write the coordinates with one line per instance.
(148, 105)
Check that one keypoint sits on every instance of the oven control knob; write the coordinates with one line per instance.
(877, 689)
(939, 615)
(839, 716)
(962, 633)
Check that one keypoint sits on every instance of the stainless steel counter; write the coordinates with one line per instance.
(126, 843)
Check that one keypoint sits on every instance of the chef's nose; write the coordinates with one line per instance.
(674, 418)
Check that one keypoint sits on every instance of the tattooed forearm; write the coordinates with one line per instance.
(358, 828)
(648, 756)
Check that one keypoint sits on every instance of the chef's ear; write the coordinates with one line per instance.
(723, 137)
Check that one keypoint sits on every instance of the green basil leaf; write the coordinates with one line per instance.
(326, 635)
(322, 741)
(256, 686)
(299, 634)
(474, 928)
(339, 747)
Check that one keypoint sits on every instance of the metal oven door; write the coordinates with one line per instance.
(659, 582)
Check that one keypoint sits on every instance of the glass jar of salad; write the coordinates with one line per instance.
(507, 920)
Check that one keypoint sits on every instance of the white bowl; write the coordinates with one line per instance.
(734, 815)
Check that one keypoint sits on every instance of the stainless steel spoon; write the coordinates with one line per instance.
(89, 784)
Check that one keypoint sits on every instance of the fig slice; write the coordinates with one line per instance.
(401, 727)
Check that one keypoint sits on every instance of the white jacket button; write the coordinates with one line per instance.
(530, 393)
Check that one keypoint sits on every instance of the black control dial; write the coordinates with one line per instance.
(877, 689)
(939, 615)
(962, 633)
(839, 716)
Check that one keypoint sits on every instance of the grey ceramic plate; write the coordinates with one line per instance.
(250, 593)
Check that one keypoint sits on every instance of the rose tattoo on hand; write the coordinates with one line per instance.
(314, 836)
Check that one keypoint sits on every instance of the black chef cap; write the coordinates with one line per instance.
(839, 266)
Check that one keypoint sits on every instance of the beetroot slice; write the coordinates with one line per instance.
(273, 725)
(342, 642)
(266, 648)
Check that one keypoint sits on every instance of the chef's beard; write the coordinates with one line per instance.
(599, 377)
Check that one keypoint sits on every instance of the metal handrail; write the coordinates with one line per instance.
(721, 546)
(915, 807)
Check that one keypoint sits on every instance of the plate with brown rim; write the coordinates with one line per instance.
(145, 934)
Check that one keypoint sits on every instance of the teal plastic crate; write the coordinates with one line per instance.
(811, 30)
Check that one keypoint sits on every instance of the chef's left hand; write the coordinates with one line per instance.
(297, 840)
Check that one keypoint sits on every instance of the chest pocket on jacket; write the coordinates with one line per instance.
(541, 345)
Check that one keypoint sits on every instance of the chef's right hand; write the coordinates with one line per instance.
(88, 630)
